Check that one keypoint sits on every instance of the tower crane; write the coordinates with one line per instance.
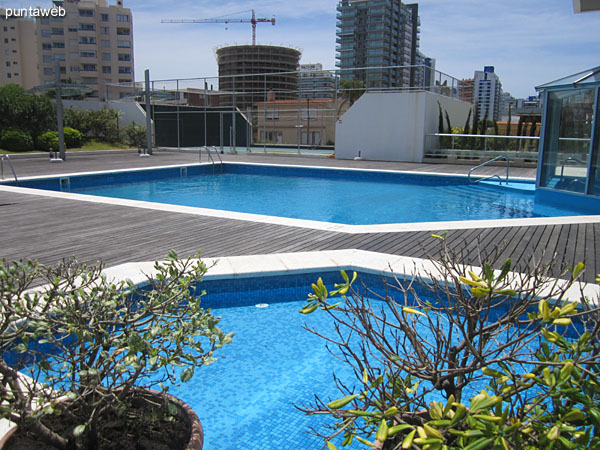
(253, 20)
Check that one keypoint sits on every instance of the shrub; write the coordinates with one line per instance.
(497, 330)
(136, 135)
(102, 342)
(16, 141)
(79, 120)
(73, 137)
(48, 141)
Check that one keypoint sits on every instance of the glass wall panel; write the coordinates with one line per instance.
(568, 133)
(595, 170)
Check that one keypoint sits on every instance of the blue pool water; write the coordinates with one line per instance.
(348, 197)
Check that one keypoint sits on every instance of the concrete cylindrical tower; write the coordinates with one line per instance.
(242, 70)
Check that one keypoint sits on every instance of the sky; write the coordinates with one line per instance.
(529, 42)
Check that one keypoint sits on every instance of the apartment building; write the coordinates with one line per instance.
(18, 51)
(377, 34)
(487, 90)
(94, 42)
(313, 82)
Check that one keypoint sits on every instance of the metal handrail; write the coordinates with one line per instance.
(217, 153)
(491, 176)
(568, 160)
(5, 157)
(207, 154)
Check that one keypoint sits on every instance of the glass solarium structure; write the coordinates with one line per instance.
(569, 168)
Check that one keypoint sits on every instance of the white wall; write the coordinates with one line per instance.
(132, 111)
(392, 126)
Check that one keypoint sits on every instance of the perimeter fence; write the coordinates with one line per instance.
(253, 110)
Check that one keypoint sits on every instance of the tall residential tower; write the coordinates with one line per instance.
(94, 41)
(18, 51)
(487, 90)
(377, 34)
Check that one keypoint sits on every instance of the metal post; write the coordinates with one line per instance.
(232, 138)
(298, 125)
(205, 105)
(148, 119)
(59, 111)
(178, 117)
(265, 119)
(221, 129)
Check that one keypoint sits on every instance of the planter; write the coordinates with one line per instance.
(195, 439)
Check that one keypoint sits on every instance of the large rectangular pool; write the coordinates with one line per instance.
(353, 197)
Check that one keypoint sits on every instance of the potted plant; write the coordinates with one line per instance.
(79, 354)
(488, 359)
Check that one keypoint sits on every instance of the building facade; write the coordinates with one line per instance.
(377, 34)
(94, 42)
(18, 51)
(310, 121)
(487, 91)
(313, 82)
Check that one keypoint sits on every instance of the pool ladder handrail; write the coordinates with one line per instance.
(209, 155)
(570, 159)
(491, 176)
(6, 157)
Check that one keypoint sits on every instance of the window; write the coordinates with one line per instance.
(87, 27)
(46, 46)
(105, 56)
(123, 69)
(105, 30)
(73, 42)
(45, 33)
(72, 30)
(89, 67)
(58, 45)
(105, 44)
(87, 40)
(88, 54)
(104, 17)
(47, 58)
(48, 71)
(106, 69)
(74, 68)
(7, 63)
(43, 21)
(124, 57)
(5, 28)
(8, 75)
(123, 44)
(58, 31)
(86, 13)
(122, 18)
(122, 31)
(272, 114)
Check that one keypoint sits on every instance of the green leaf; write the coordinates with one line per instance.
(79, 430)
(187, 374)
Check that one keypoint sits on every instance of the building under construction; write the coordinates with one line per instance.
(255, 73)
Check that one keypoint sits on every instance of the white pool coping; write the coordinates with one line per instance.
(300, 223)
(237, 267)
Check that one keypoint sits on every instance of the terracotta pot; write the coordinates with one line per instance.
(196, 441)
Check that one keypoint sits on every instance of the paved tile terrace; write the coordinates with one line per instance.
(50, 229)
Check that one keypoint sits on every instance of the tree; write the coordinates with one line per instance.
(467, 129)
(489, 343)
(33, 114)
(350, 92)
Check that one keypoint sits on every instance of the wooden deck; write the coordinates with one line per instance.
(49, 229)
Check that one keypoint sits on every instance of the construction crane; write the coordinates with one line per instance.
(253, 20)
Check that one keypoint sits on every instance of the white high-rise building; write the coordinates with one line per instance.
(487, 90)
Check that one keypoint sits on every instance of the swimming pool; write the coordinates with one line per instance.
(351, 197)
